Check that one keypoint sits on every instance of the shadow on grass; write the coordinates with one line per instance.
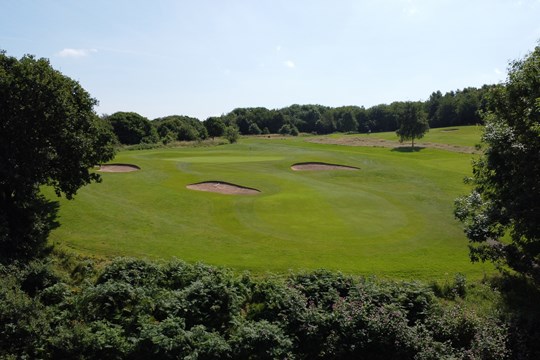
(408, 149)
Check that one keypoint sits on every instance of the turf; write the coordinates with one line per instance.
(392, 218)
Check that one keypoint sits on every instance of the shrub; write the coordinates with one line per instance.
(260, 340)
(458, 288)
(131, 271)
(323, 288)
(468, 333)
(24, 323)
(138, 309)
(274, 301)
(37, 276)
(231, 134)
(212, 302)
(254, 129)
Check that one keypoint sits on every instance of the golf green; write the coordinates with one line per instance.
(392, 217)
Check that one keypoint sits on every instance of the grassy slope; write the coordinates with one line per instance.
(461, 136)
(392, 218)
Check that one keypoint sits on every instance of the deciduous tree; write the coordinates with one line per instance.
(214, 126)
(49, 135)
(412, 121)
(502, 213)
(132, 128)
(232, 134)
(182, 128)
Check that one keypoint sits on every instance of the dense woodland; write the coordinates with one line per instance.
(454, 108)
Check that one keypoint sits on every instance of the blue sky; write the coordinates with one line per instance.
(207, 57)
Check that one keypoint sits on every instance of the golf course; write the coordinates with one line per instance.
(389, 215)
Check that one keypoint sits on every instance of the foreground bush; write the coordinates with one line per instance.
(134, 309)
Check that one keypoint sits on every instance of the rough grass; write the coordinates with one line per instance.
(392, 218)
(458, 135)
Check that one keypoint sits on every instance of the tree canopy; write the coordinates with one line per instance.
(49, 135)
(181, 128)
(231, 133)
(132, 128)
(502, 213)
(453, 108)
(214, 127)
(412, 122)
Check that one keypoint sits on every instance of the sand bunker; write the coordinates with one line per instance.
(118, 168)
(319, 166)
(223, 188)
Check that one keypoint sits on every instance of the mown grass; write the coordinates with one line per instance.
(392, 218)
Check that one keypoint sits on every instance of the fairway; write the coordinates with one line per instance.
(392, 217)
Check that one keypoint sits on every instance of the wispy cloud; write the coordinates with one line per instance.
(290, 64)
(76, 53)
(278, 48)
(498, 71)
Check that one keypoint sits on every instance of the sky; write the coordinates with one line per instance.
(204, 58)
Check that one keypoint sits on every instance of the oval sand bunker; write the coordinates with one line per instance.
(118, 168)
(319, 166)
(223, 188)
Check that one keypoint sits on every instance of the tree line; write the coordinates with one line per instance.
(454, 108)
